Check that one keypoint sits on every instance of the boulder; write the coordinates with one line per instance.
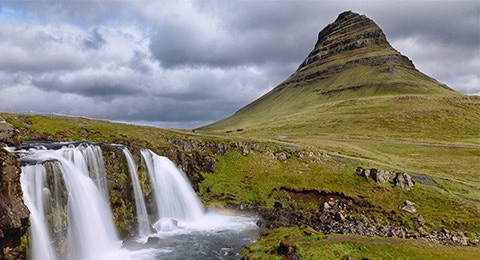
(281, 156)
(421, 220)
(286, 248)
(381, 176)
(408, 206)
(403, 180)
(363, 172)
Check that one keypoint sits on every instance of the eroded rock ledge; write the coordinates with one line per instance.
(337, 213)
(13, 212)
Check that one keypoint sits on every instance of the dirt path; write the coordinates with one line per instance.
(398, 142)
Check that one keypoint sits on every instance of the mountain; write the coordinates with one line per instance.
(355, 84)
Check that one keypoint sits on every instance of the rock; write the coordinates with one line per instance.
(208, 164)
(7, 132)
(340, 217)
(308, 233)
(381, 176)
(403, 180)
(326, 206)
(366, 174)
(13, 212)
(281, 156)
(422, 231)
(409, 207)
(420, 220)
(153, 240)
(245, 151)
(409, 203)
(363, 172)
(277, 205)
(243, 147)
(286, 248)
(165, 225)
(464, 241)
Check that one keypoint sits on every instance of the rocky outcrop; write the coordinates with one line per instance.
(399, 179)
(339, 214)
(7, 131)
(195, 156)
(403, 181)
(381, 176)
(13, 212)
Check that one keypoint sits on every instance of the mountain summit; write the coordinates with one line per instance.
(353, 53)
(353, 84)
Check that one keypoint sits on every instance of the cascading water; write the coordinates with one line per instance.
(174, 196)
(70, 218)
(33, 180)
(96, 167)
(91, 232)
(142, 216)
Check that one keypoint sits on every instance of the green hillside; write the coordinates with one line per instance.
(355, 85)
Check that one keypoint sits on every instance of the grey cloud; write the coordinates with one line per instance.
(444, 21)
(94, 40)
(139, 63)
(101, 84)
(203, 60)
(177, 47)
(242, 33)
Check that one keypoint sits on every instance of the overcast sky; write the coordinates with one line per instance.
(185, 64)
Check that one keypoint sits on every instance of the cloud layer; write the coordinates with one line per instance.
(189, 63)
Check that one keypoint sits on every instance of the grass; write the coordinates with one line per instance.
(254, 178)
(432, 119)
(319, 246)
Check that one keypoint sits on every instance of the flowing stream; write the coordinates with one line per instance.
(67, 193)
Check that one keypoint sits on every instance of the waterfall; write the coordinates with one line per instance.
(91, 231)
(142, 216)
(66, 192)
(33, 181)
(174, 196)
(96, 167)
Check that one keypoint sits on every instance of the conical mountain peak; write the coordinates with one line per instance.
(352, 59)
(349, 31)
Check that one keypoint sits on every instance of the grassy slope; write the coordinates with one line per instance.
(318, 246)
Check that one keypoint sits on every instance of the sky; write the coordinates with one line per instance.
(185, 64)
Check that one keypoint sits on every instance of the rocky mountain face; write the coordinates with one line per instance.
(351, 42)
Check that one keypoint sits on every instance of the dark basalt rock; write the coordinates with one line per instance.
(13, 212)
(352, 40)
